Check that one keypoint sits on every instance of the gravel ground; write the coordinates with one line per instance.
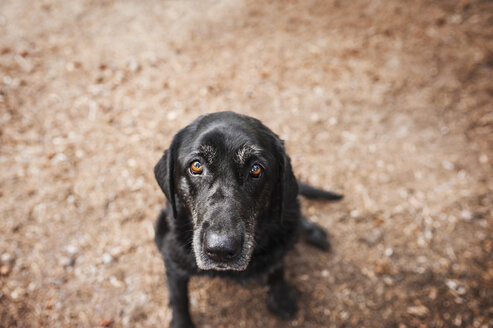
(389, 102)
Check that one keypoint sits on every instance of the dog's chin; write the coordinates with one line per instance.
(207, 264)
(220, 267)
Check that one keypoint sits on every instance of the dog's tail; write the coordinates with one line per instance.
(315, 193)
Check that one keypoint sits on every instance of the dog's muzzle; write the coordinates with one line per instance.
(223, 245)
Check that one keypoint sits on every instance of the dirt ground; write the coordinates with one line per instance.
(389, 102)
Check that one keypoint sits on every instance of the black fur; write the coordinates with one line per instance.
(315, 193)
(225, 220)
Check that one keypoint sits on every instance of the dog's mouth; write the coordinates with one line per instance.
(222, 267)
(219, 253)
(205, 263)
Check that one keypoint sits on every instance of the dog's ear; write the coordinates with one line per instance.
(163, 171)
(288, 187)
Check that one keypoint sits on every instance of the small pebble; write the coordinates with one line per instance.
(466, 215)
(65, 261)
(389, 251)
(5, 257)
(5, 269)
(107, 258)
(372, 238)
(447, 165)
(418, 310)
(106, 322)
(72, 249)
(133, 65)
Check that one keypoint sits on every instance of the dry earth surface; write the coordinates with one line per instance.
(389, 102)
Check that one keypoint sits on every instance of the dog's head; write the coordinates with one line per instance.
(225, 172)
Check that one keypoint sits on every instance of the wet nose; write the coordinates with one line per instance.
(222, 247)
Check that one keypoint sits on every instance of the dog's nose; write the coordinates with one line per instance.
(222, 247)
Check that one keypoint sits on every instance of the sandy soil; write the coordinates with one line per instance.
(389, 102)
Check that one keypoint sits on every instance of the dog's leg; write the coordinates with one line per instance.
(315, 235)
(178, 299)
(282, 300)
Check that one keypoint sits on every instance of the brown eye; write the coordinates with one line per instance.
(256, 170)
(196, 167)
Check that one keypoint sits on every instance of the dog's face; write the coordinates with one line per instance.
(224, 170)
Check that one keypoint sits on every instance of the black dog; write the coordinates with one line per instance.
(232, 209)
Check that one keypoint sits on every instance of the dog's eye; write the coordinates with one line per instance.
(256, 170)
(196, 167)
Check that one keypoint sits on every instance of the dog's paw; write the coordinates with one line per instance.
(317, 236)
(181, 323)
(282, 301)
